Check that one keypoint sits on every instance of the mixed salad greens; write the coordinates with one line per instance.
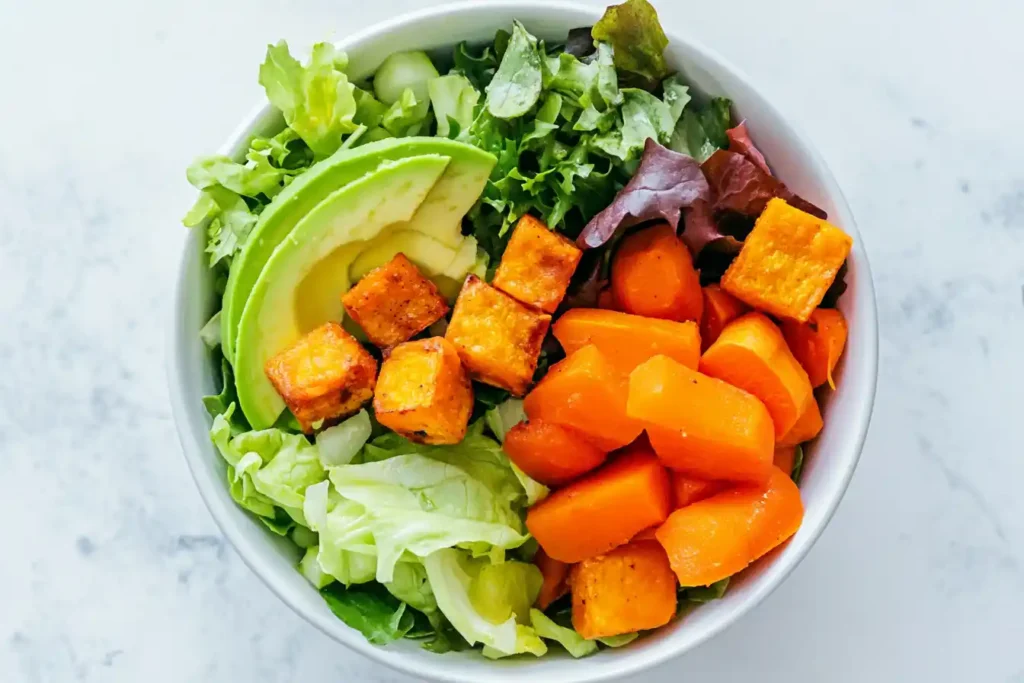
(592, 136)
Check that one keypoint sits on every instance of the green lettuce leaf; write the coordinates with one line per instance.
(407, 116)
(517, 84)
(371, 610)
(340, 444)
(454, 100)
(798, 464)
(317, 100)
(575, 644)
(411, 586)
(270, 467)
(310, 568)
(635, 33)
(702, 594)
(452, 575)
(619, 640)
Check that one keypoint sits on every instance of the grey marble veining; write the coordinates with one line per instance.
(112, 570)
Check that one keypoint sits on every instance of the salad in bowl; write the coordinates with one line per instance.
(518, 341)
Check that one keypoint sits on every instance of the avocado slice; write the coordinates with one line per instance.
(311, 266)
(440, 216)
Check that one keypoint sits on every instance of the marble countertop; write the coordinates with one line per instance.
(112, 569)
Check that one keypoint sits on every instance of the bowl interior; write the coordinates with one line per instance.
(830, 460)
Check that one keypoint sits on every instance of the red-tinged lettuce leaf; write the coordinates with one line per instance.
(701, 229)
(740, 185)
(664, 184)
(740, 142)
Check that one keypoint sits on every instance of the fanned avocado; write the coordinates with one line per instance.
(306, 274)
(439, 217)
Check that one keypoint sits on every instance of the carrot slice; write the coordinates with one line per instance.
(630, 589)
(628, 340)
(602, 510)
(653, 276)
(550, 453)
(700, 425)
(807, 426)
(818, 343)
(688, 490)
(720, 309)
(586, 393)
(751, 354)
(554, 574)
(721, 535)
(784, 458)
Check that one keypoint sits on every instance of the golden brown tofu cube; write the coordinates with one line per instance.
(631, 588)
(498, 338)
(788, 262)
(424, 393)
(537, 265)
(324, 376)
(394, 302)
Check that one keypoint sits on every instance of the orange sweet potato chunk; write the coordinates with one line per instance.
(423, 392)
(498, 338)
(555, 575)
(394, 302)
(700, 425)
(751, 354)
(602, 510)
(787, 262)
(630, 589)
(324, 376)
(628, 340)
(586, 393)
(537, 265)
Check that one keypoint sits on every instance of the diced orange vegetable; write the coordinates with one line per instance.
(788, 262)
(807, 426)
(784, 458)
(751, 354)
(701, 425)
(324, 376)
(537, 265)
(602, 510)
(719, 536)
(817, 343)
(550, 453)
(653, 276)
(423, 392)
(394, 302)
(606, 300)
(585, 392)
(628, 340)
(555, 576)
(498, 338)
(720, 309)
(629, 589)
(687, 490)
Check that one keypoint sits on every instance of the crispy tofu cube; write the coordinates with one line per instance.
(424, 393)
(324, 376)
(498, 338)
(629, 589)
(394, 303)
(788, 262)
(537, 265)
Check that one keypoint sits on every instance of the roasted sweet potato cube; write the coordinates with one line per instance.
(498, 338)
(537, 265)
(629, 589)
(394, 302)
(424, 393)
(788, 262)
(324, 376)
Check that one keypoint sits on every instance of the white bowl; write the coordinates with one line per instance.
(830, 460)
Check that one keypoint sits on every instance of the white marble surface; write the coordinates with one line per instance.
(112, 570)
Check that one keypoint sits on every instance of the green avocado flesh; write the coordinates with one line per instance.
(311, 267)
(439, 217)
